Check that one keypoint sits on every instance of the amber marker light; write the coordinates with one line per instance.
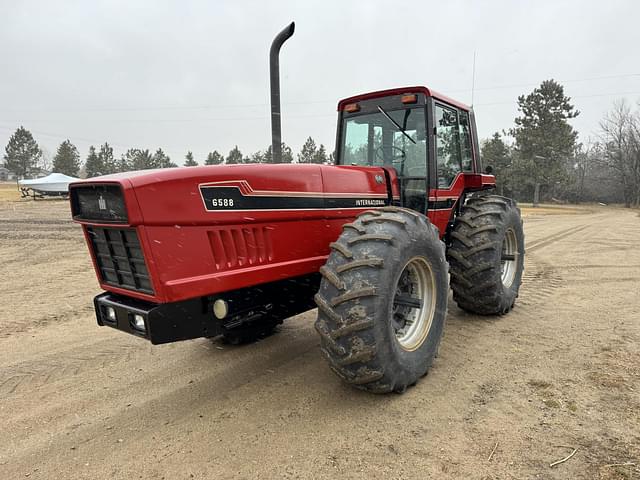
(352, 107)
(413, 98)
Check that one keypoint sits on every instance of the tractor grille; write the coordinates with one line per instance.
(119, 258)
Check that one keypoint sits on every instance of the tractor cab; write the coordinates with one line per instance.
(428, 140)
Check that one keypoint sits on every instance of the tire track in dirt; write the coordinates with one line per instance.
(11, 327)
(605, 280)
(578, 267)
(541, 279)
(56, 236)
(36, 284)
(50, 368)
(38, 229)
(543, 242)
(177, 401)
(39, 221)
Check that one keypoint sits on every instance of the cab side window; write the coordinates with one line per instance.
(448, 155)
(465, 142)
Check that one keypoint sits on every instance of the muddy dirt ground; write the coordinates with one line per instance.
(506, 398)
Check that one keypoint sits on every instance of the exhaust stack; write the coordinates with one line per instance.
(274, 67)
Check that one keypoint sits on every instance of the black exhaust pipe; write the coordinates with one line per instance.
(274, 67)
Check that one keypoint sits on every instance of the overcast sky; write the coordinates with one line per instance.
(193, 75)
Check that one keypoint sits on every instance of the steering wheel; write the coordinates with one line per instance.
(379, 155)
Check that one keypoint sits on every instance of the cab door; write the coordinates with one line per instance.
(453, 157)
(412, 169)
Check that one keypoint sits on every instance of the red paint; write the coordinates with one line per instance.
(400, 91)
(191, 252)
(179, 237)
(464, 182)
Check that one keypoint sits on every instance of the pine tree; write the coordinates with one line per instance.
(308, 152)
(22, 154)
(107, 161)
(268, 155)
(125, 164)
(495, 153)
(67, 159)
(544, 138)
(287, 154)
(320, 155)
(214, 158)
(143, 160)
(235, 156)
(257, 157)
(161, 160)
(136, 159)
(190, 162)
(93, 165)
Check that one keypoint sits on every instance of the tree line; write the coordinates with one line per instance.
(538, 159)
(24, 157)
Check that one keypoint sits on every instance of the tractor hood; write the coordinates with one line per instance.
(199, 230)
(228, 193)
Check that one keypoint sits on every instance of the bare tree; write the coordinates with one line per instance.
(621, 139)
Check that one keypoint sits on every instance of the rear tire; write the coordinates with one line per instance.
(383, 299)
(486, 255)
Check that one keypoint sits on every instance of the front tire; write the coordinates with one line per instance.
(486, 255)
(383, 300)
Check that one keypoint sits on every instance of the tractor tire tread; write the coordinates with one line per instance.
(475, 244)
(345, 321)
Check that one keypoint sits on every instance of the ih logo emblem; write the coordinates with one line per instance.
(379, 179)
(102, 203)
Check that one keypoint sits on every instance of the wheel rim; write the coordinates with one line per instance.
(414, 304)
(509, 260)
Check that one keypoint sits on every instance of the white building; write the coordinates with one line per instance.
(6, 174)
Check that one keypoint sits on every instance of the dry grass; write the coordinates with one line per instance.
(9, 192)
(608, 380)
(539, 383)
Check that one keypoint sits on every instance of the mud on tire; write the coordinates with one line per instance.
(486, 255)
(383, 299)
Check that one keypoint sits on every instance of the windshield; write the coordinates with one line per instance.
(374, 139)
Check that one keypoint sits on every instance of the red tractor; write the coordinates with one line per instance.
(372, 241)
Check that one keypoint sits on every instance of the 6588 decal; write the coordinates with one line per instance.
(217, 198)
(221, 202)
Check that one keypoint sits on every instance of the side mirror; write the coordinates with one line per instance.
(488, 170)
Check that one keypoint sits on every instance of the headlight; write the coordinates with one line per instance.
(138, 323)
(220, 309)
(110, 314)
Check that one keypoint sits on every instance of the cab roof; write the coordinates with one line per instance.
(399, 91)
